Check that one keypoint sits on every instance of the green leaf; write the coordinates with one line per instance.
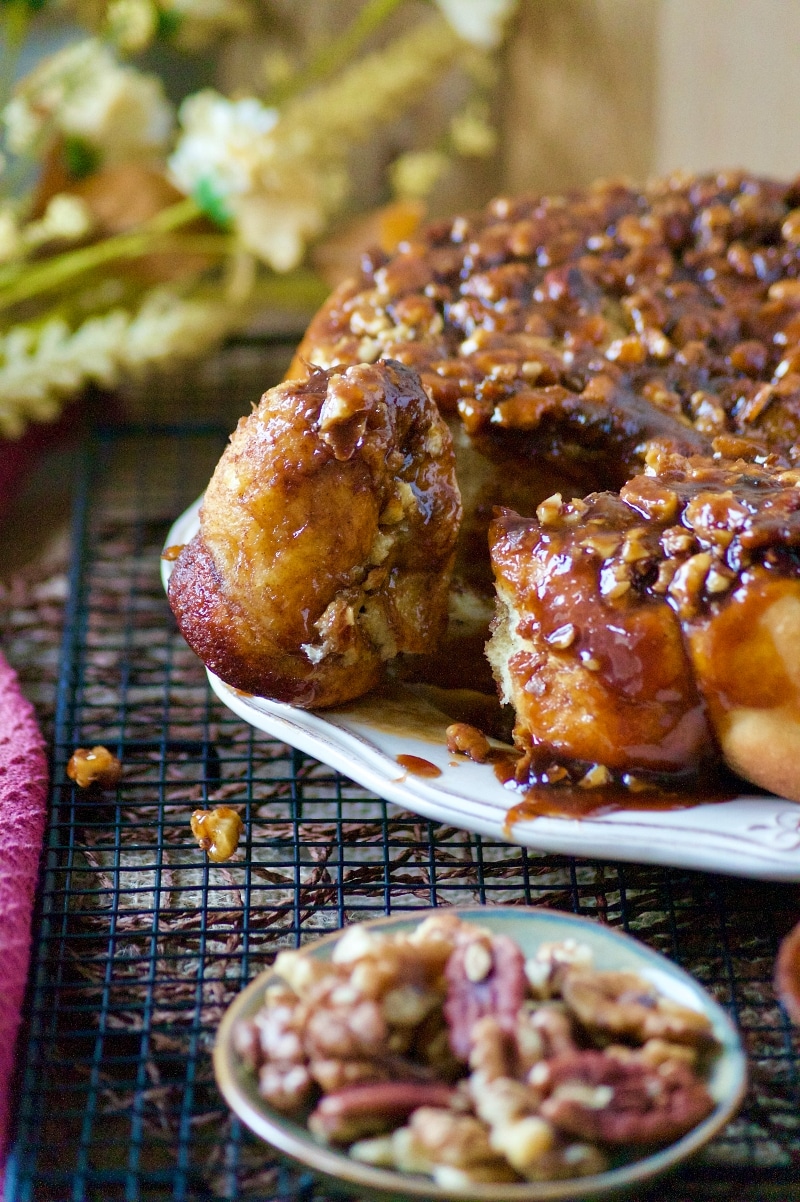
(32, 5)
(81, 158)
(168, 22)
(213, 203)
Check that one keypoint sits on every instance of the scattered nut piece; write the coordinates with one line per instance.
(217, 831)
(596, 778)
(467, 740)
(95, 767)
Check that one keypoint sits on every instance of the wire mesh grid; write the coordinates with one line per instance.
(141, 943)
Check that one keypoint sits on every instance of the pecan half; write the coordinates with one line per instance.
(485, 975)
(599, 1097)
(349, 1114)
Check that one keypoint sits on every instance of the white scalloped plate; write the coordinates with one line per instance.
(745, 836)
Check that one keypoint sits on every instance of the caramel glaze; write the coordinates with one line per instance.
(417, 766)
(571, 801)
(546, 801)
(579, 328)
(326, 538)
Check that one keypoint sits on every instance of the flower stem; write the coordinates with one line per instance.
(16, 18)
(336, 52)
(298, 289)
(59, 270)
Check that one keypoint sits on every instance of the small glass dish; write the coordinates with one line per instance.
(529, 927)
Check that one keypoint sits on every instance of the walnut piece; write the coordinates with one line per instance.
(217, 831)
(467, 740)
(97, 766)
(548, 967)
(614, 1005)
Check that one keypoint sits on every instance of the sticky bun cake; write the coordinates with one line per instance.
(644, 340)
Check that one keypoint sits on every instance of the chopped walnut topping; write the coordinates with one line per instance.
(604, 543)
(615, 581)
(634, 548)
(550, 510)
(562, 638)
(688, 582)
(597, 776)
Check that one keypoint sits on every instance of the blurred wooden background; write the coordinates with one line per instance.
(637, 87)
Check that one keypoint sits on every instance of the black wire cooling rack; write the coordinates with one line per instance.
(140, 944)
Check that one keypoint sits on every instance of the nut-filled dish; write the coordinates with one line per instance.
(618, 375)
(472, 1051)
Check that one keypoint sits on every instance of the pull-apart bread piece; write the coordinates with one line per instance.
(637, 633)
(326, 537)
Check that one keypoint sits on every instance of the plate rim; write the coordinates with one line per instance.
(390, 1183)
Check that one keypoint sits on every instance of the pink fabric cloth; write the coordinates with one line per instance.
(23, 793)
(19, 456)
(15, 458)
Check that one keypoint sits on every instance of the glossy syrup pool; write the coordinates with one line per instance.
(419, 706)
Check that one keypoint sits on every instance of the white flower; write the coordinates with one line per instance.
(123, 113)
(66, 217)
(221, 144)
(228, 159)
(277, 230)
(481, 22)
(83, 92)
(416, 173)
(23, 125)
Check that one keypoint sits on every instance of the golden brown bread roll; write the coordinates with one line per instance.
(641, 631)
(326, 538)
